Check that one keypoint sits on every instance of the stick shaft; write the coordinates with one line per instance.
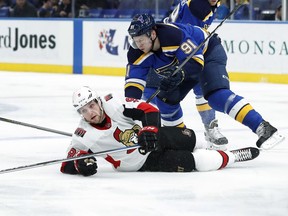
(46, 163)
(35, 126)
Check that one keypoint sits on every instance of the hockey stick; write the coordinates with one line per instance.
(46, 163)
(35, 126)
(195, 50)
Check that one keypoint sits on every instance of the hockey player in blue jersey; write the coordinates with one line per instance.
(165, 46)
(199, 13)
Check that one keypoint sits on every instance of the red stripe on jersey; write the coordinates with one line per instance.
(116, 134)
(112, 161)
(225, 159)
(147, 108)
(130, 151)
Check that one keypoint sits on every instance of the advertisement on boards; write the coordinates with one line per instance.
(105, 44)
(255, 47)
(250, 47)
(36, 42)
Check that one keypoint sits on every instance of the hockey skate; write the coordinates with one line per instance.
(268, 136)
(213, 136)
(245, 154)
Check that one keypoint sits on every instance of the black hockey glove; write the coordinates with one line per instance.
(170, 82)
(87, 166)
(172, 98)
(147, 139)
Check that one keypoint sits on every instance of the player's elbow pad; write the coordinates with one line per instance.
(192, 69)
(133, 92)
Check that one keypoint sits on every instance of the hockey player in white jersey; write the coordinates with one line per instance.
(108, 123)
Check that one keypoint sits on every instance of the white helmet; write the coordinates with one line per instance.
(83, 96)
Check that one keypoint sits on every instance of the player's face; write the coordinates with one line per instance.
(213, 2)
(92, 113)
(143, 42)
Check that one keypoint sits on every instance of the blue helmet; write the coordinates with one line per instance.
(141, 24)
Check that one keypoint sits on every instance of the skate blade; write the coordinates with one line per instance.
(274, 140)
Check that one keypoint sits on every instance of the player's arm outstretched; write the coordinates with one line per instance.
(85, 167)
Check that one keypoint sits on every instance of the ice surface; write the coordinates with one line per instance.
(258, 188)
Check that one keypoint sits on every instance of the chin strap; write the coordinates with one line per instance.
(101, 107)
(153, 42)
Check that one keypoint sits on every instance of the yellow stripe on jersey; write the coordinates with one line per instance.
(203, 107)
(160, 69)
(243, 112)
(208, 16)
(170, 48)
(199, 60)
(205, 48)
(142, 58)
(188, 2)
(170, 24)
(181, 125)
(137, 85)
(206, 34)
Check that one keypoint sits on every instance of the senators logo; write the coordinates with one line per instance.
(128, 137)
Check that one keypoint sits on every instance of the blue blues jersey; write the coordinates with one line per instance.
(177, 42)
(195, 12)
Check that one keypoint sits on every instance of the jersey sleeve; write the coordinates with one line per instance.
(68, 167)
(193, 37)
(72, 151)
(195, 12)
(137, 70)
(142, 111)
(202, 9)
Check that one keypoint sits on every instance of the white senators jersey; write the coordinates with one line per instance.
(116, 132)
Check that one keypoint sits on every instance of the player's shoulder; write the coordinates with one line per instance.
(82, 129)
(169, 34)
(108, 100)
(199, 3)
(112, 104)
(108, 97)
(134, 55)
(85, 134)
(111, 99)
(201, 9)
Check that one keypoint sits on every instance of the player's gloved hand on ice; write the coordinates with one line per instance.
(147, 139)
(169, 83)
(87, 166)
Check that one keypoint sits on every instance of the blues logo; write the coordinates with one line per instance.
(106, 40)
